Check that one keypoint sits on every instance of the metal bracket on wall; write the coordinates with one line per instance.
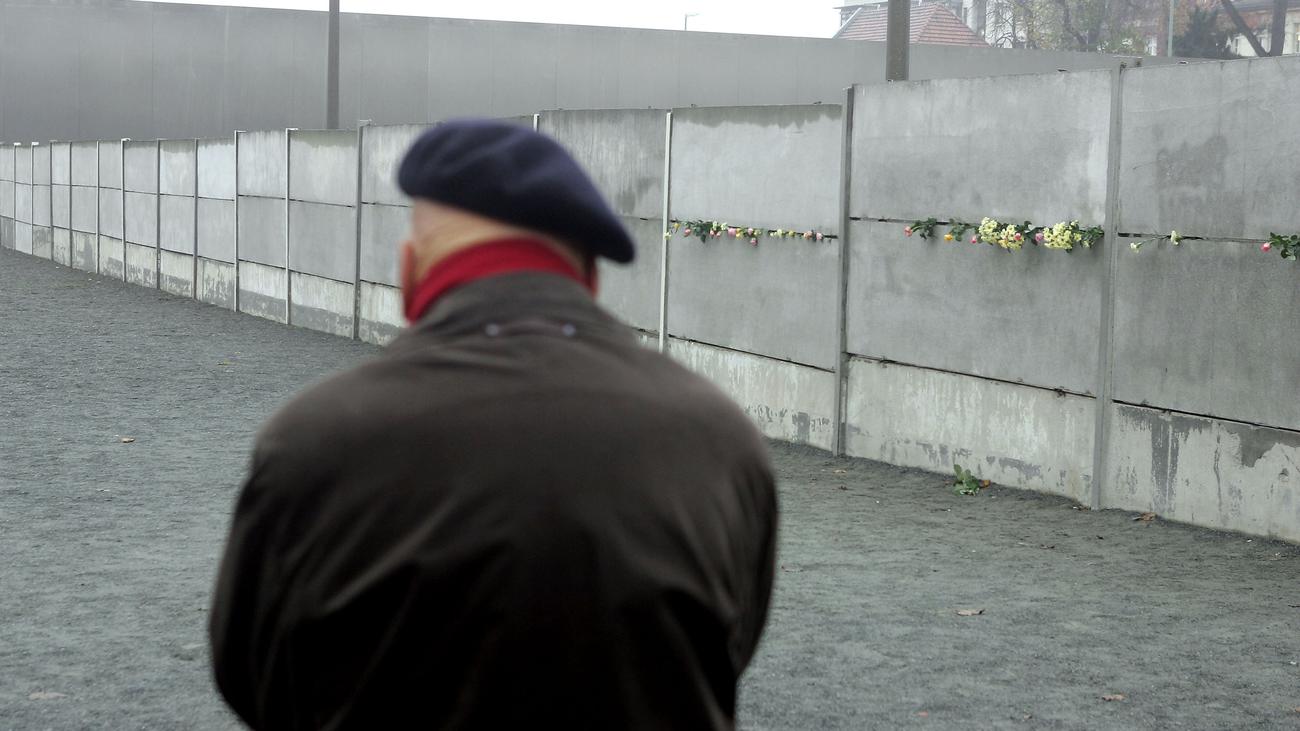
(665, 240)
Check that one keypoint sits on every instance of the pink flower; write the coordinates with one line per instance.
(1020, 237)
(974, 239)
(1266, 247)
(754, 241)
(807, 234)
(1038, 237)
(688, 232)
(907, 231)
(731, 231)
(820, 237)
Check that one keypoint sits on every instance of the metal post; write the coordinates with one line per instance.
(332, 70)
(157, 215)
(537, 122)
(667, 237)
(842, 274)
(122, 165)
(897, 39)
(194, 260)
(356, 268)
(237, 133)
(288, 270)
(1170, 50)
(98, 171)
(51, 178)
(1105, 346)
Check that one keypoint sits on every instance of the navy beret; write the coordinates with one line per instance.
(512, 174)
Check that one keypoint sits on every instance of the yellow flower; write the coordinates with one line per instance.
(947, 237)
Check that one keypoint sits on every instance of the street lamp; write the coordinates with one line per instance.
(686, 19)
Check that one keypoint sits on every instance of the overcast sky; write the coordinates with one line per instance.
(769, 17)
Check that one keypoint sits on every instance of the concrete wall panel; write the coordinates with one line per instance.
(112, 258)
(1015, 148)
(776, 167)
(1187, 336)
(42, 242)
(62, 246)
(786, 401)
(323, 304)
(7, 199)
(1013, 435)
(140, 163)
(776, 299)
(61, 205)
(142, 219)
(176, 223)
(23, 164)
(323, 167)
(323, 240)
(262, 164)
(176, 273)
(217, 283)
(1203, 471)
(216, 232)
(23, 237)
(85, 251)
(41, 165)
(216, 168)
(110, 164)
(631, 291)
(7, 233)
(1210, 149)
(41, 205)
(85, 163)
(7, 162)
(23, 203)
(177, 171)
(383, 228)
(262, 291)
(385, 146)
(261, 230)
(60, 163)
(1030, 316)
(622, 150)
(381, 313)
(110, 212)
(85, 207)
(141, 265)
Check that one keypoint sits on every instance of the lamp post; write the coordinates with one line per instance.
(686, 20)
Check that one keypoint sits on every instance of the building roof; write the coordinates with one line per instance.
(931, 23)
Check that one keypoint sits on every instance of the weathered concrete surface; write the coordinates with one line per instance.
(23, 237)
(110, 164)
(216, 232)
(216, 168)
(7, 163)
(217, 283)
(323, 240)
(631, 291)
(22, 164)
(384, 148)
(176, 273)
(140, 166)
(176, 223)
(41, 161)
(41, 205)
(23, 202)
(7, 199)
(60, 163)
(622, 150)
(261, 230)
(112, 258)
(62, 247)
(787, 157)
(84, 163)
(1030, 316)
(1013, 435)
(262, 291)
(1205, 471)
(324, 167)
(177, 167)
(786, 401)
(1209, 149)
(142, 218)
(323, 304)
(85, 251)
(141, 265)
(776, 299)
(85, 207)
(383, 228)
(1194, 331)
(42, 242)
(1014, 148)
(381, 313)
(110, 212)
(262, 163)
(7, 233)
(61, 205)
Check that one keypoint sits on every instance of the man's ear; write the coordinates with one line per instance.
(407, 274)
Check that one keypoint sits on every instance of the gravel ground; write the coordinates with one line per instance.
(109, 551)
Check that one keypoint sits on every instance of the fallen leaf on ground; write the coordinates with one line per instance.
(1145, 517)
(1046, 546)
(1114, 697)
(969, 612)
(43, 695)
(842, 487)
(985, 483)
(1101, 538)
(841, 472)
(128, 440)
(923, 714)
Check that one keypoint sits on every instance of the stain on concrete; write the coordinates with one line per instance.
(325, 321)
(802, 427)
(260, 305)
(1255, 442)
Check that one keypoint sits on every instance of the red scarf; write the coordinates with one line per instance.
(488, 260)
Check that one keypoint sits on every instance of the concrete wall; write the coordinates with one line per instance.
(1162, 379)
(165, 70)
(42, 229)
(140, 166)
(23, 199)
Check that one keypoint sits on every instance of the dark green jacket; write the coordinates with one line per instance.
(515, 517)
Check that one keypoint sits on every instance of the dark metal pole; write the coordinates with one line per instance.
(1278, 28)
(897, 36)
(332, 70)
